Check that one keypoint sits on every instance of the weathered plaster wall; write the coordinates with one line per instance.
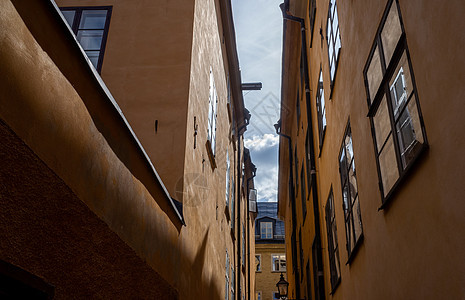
(412, 249)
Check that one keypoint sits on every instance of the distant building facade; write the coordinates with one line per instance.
(369, 173)
(125, 173)
(270, 253)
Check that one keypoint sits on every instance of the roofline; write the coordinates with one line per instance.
(116, 110)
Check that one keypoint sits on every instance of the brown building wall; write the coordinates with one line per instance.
(412, 248)
(76, 145)
(146, 66)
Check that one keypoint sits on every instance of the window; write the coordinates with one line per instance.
(311, 15)
(333, 36)
(394, 110)
(275, 296)
(258, 263)
(259, 295)
(333, 246)
(233, 280)
(90, 25)
(296, 167)
(266, 230)
(243, 245)
(351, 204)
(301, 254)
(318, 275)
(212, 103)
(226, 294)
(308, 160)
(278, 262)
(228, 171)
(303, 193)
(233, 196)
(321, 110)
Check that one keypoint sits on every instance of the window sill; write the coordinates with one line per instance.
(402, 178)
(355, 250)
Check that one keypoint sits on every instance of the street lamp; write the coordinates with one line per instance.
(282, 287)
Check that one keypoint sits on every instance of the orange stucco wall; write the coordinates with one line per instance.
(413, 248)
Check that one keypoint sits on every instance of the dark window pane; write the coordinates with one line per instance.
(69, 16)
(409, 133)
(90, 39)
(93, 19)
(93, 56)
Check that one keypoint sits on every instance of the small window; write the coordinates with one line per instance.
(321, 110)
(351, 204)
(278, 262)
(266, 230)
(212, 114)
(90, 25)
(333, 37)
(259, 295)
(258, 263)
(394, 110)
(308, 160)
(233, 281)
(303, 192)
(333, 245)
(311, 17)
(228, 175)
(226, 294)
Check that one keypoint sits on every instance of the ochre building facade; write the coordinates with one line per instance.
(370, 180)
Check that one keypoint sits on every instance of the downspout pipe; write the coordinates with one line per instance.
(238, 201)
(316, 210)
(293, 208)
(254, 173)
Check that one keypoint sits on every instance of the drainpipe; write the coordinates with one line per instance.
(238, 201)
(286, 16)
(293, 208)
(254, 173)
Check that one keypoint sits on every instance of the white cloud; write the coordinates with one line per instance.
(259, 143)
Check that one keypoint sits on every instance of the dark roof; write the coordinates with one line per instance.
(270, 210)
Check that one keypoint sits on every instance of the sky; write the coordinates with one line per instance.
(259, 26)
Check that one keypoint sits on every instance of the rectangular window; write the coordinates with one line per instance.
(311, 17)
(228, 171)
(259, 295)
(233, 281)
(266, 230)
(278, 263)
(333, 36)
(258, 263)
(333, 246)
(394, 109)
(233, 207)
(226, 294)
(318, 273)
(308, 160)
(303, 192)
(321, 110)
(351, 204)
(296, 168)
(212, 114)
(90, 26)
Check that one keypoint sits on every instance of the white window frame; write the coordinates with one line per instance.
(259, 269)
(270, 227)
(212, 113)
(279, 255)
